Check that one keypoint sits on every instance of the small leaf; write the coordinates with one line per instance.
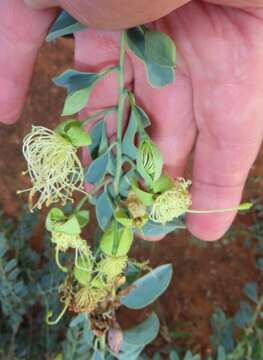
(64, 24)
(221, 354)
(250, 290)
(141, 116)
(74, 80)
(97, 356)
(83, 217)
(244, 315)
(125, 182)
(124, 241)
(97, 169)
(149, 287)
(99, 139)
(159, 48)
(162, 184)
(156, 229)
(82, 275)
(173, 355)
(159, 76)
(145, 197)
(76, 101)
(190, 356)
(128, 147)
(123, 218)
(136, 42)
(54, 216)
(143, 333)
(77, 320)
(70, 227)
(104, 210)
(78, 136)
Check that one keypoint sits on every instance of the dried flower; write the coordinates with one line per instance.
(53, 166)
(172, 203)
(87, 299)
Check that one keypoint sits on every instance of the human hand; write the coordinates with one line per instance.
(216, 99)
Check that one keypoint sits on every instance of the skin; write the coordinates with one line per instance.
(215, 104)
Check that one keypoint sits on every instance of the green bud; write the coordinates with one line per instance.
(149, 161)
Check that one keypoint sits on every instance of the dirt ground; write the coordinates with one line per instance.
(205, 276)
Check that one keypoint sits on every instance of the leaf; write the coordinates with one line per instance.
(221, 354)
(162, 184)
(123, 218)
(104, 210)
(244, 316)
(128, 147)
(125, 182)
(78, 136)
(76, 101)
(159, 76)
(97, 169)
(55, 215)
(99, 139)
(64, 24)
(260, 264)
(124, 237)
(76, 320)
(173, 355)
(143, 333)
(97, 356)
(190, 356)
(159, 48)
(136, 42)
(141, 116)
(250, 290)
(145, 197)
(74, 80)
(156, 229)
(149, 287)
(70, 227)
(83, 217)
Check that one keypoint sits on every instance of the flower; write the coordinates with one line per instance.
(87, 299)
(53, 166)
(65, 241)
(172, 203)
(110, 267)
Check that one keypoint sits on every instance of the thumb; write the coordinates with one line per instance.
(22, 31)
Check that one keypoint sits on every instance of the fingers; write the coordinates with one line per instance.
(21, 34)
(228, 143)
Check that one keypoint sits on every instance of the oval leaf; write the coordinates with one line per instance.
(97, 169)
(76, 101)
(149, 287)
(159, 48)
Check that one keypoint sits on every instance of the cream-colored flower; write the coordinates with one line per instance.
(53, 166)
(109, 267)
(172, 203)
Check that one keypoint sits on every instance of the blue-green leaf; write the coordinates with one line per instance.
(97, 169)
(173, 355)
(142, 334)
(190, 356)
(244, 316)
(156, 229)
(136, 41)
(221, 353)
(128, 147)
(159, 76)
(64, 24)
(159, 48)
(251, 291)
(99, 139)
(74, 80)
(104, 210)
(149, 287)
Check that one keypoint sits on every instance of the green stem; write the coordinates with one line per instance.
(122, 97)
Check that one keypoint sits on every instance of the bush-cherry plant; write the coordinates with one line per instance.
(131, 194)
